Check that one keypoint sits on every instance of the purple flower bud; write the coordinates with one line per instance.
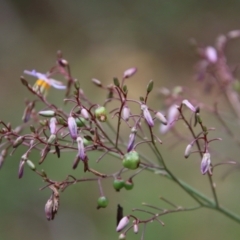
(72, 126)
(81, 151)
(18, 141)
(135, 228)
(53, 125)
(161, 118)
(21, 168)
(97, 82)
(125, 113)
(131, 139)
(129, 72)
(211, 54)
(48, 209)
(187, 151)
(122, 224)
(206, 162)
(189, 105)
(147, 115)
(84, 113)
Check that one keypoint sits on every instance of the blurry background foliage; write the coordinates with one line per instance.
(101, 39)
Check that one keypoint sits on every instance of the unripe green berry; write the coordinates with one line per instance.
(102, 202)
(86, 142)
(128, 185)
(101, 114)
(131, 160)
(118, 184)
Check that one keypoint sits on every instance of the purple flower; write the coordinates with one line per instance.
(81, 151)
(53, 125)
(125, 113)
(129, 72)
(122, 224)
(147, 115)
(206, 163)
(189, 105)
(72, 126)
(131, 139)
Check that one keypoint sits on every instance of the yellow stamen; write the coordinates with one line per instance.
(41, 86)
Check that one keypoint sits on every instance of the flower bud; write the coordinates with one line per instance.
(122, 236)
(122, 224)
(189, 105)
(129, 72)
(205, 164)
(125, 113)
(31, 165)
(131, 160)
(150, 86)
(211, 54)
(131, 140)
(161, 118)
(102, 202)
(187, 150)
(97, 82)
(101, 114)
(53, 125)
(47, 113)
(147, 115)
(81, 151)
(44, 153)
(135, 228)
(52, 138)
(18, 141)
(21, 168)
(51, 207)
(80, 121)
(84, 113)
(72, 126)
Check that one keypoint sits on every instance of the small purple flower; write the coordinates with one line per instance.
(211, 54)
(161, 118)
(147, 115)
(189, 105)
(21, 168)
(84, 113)
(206, 163)
(187, 150)
(81, 151)
(131, 140)
(53, 125)
(129, 72)
(72, 126)
(122, 224)
(125, 113)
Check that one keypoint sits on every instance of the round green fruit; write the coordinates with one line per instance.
(128, 185)
(102, 202)
(131, 160)
(101, 114)
(118, 184)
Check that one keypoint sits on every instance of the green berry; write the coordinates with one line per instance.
(129, 184)
(101, 114)
(118, 184)
(131, 160)
(102, 202)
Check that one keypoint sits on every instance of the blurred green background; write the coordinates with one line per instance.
(101, 39)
